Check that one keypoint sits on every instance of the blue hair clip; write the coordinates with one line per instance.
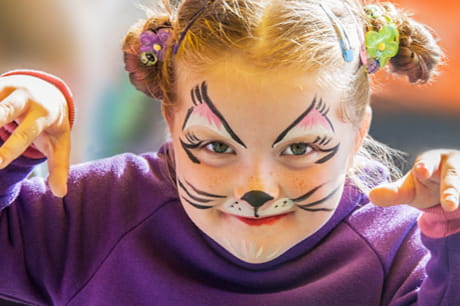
(345, 45)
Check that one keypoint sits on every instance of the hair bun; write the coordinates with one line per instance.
(419, 54)
(146, 78)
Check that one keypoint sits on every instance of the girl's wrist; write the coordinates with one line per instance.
(435, 222)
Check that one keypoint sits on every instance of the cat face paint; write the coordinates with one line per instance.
(313, 121)
(260, 165)
(204, 113)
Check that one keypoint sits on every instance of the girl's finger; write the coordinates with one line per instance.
(5, 92)
(58, 165)
(12, 105)
(26, 132)
(450, 181)
(401, 191)
(427, 166)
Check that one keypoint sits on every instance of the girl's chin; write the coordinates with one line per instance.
(255, 240)
(254, 252)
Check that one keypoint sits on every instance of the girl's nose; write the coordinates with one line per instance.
(256, 198)
(257, 186)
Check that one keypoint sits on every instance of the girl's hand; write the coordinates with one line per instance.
(40, 110)
(434, 179)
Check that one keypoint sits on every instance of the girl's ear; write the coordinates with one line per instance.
(363, 128)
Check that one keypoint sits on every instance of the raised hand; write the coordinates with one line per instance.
(434, 179)
(40, 110)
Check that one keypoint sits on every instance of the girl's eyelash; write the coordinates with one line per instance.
(193, 141)
(322, 141)
(192, 138)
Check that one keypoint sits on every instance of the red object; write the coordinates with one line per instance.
(60, 84)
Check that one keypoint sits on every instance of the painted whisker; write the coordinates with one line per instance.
(195, 198)
(197, 201)
(199, 206)
(203, 193)
(308, 207)
(307, 195)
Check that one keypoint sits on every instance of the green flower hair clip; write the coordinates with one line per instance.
(381, 46)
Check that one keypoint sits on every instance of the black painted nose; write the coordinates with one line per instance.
(256, 198)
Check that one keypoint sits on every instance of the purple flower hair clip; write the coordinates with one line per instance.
(153, 45)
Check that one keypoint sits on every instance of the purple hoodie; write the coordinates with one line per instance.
(121, 237)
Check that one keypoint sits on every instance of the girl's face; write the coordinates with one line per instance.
(260, 157)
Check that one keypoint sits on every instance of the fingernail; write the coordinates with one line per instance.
(420, 165)
(421, 170)
(450, 191)
(451, 202)
(452, 198)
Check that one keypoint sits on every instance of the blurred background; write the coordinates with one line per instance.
(80, 42)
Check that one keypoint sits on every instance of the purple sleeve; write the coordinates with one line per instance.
(430, 279)
(12, 176)
(417, 269)
(50, 247)
(441, 287)
(441, 235)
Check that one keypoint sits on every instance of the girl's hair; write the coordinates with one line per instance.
(274, 34)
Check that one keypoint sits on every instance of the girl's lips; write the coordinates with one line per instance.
(261, 221)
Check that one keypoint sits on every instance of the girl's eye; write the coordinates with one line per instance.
(218, 147)
(300, 148)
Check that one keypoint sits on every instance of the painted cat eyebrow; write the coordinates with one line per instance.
(200, 95)
(319, 106)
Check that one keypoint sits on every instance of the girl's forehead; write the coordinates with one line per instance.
(250, 89)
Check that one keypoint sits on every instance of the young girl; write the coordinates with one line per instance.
(259, 198)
